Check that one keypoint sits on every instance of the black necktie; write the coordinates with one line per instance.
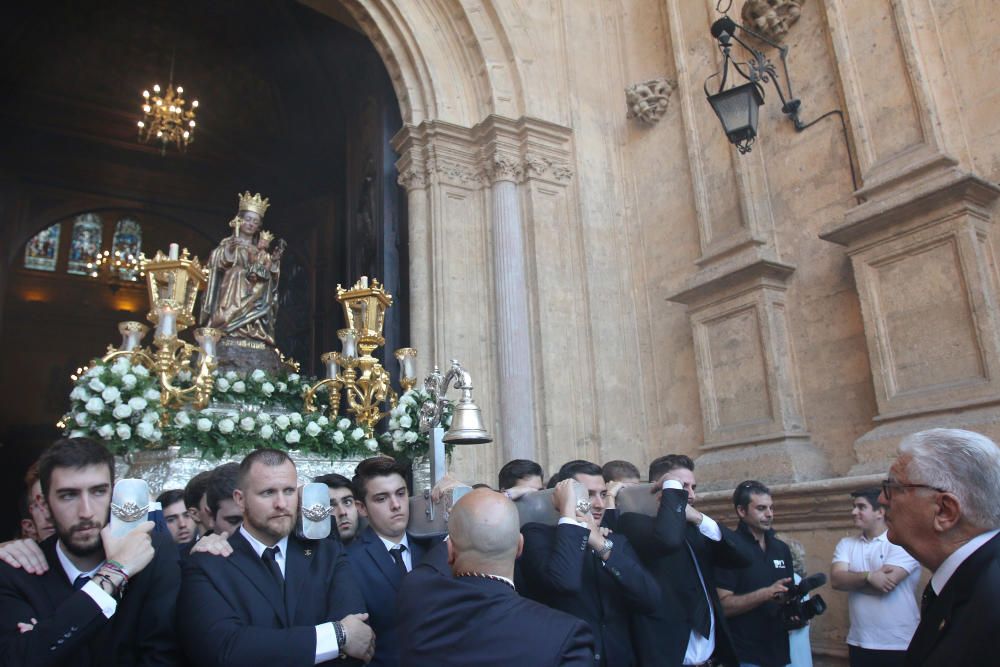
(397, 555)
(272, 565)
(927, 599)
(701, 613)
(80, 581)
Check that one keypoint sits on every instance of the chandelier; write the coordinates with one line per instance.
(166, 120)
(117, 267)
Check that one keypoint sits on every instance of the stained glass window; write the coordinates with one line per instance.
(42, 250)
(126, 246)
(85, 244)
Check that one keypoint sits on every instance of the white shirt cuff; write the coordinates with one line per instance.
(709, 528)
(327, 647)
(107, 603)
(672, 484)
(573, 522)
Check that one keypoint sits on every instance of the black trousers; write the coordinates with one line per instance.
(870, 657)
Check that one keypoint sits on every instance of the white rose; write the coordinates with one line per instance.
(129, 380)
(344, 424)
(182, 419)
(266, 431)
(94, 372)
(338, 437)
(121, 366)
(137, 403)
(282, 422)
(150, 417)
(110, 394)
(231, 376)
(95, 406)
(312, 429)
(258, 376)
(82, 418)
(398, 411)
(397, 436)
(157, 434)
(151, 395)
(79, 394)
(78, 434)
(372, 444)
(322, 421)
(295, 418)
(122, 411)
(204, 424)
(226, 425)
(248, 424)
(408, 400)
(267, 388)
(292, 437)
(397, 445)
(96, 385)
(106, 431)
(393, 423)
(239, 386)
(144, 431)
(410, 437)
(294, 377)
(184, 376)
(357, 433)
(140, 371)
(222, 384)
(123, 431)
(405, 421)
(263, 418)
(282, 387)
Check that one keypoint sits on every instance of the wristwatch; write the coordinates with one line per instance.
(605, 548)
(338, 629)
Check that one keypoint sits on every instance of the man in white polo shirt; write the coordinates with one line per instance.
(881, 579)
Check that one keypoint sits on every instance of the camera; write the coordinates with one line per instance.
(796, 612)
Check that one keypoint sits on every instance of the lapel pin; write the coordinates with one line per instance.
(308, 552)
(943, 623)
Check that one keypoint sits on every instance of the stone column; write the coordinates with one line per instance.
(421, 293)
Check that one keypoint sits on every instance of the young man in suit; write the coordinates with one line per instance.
(681, 547)
(583, 570)
(383, 553)
(942, 501)
(460, 607)
(345, 510)
(274, 599)
(75, 608)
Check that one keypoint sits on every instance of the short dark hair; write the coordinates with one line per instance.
(578, 467)
(73, 453)
(871, 494)
(266, 457)
(196, 488)
(221, 485)
(334, 481)
(667, 463)
(617, 470)
(169, 497)
(515, 470)
(376, 466)
(741, 496)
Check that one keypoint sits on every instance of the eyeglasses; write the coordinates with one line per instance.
(889, 484)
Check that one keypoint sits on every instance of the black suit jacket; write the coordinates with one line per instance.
(379, 581)
(71, 629)
(231, 611)
(449, 622)
(962, 627)
(665, 544)
(565, 574)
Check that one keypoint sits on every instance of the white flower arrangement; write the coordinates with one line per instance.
(403, 438)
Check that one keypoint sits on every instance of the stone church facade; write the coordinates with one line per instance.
(624, 288)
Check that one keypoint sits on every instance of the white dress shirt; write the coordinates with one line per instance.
(389, 545)
(952, 562)
(327, 647)
(107, 603)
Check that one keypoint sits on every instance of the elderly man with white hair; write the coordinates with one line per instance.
(942, 501)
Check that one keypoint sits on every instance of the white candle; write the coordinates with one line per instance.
(364, 282)
(166, 327)
(174, 252)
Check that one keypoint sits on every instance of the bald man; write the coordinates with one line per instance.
(463, 610)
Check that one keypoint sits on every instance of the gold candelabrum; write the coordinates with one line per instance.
(174, 281)
(361, 377)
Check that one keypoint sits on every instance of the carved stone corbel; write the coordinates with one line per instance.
(771, 18)
(648, 100)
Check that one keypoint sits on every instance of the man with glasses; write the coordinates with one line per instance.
(942, 503)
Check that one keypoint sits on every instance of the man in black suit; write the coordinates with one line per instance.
(76, 609)
(275, 599)
(383, 553)
(942, 502)
(465, 611)
(681, 547)
(581, 569)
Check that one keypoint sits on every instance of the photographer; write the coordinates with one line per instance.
(752, 598)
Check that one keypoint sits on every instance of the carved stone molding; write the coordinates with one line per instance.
(771, 18)
(540, 166)
(412, 178)
(456, 173)
(501, 167)
(648, 100)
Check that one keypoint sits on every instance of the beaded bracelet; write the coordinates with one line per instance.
(117, 568)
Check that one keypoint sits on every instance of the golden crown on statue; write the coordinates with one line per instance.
(254, 203)
(266, 236)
